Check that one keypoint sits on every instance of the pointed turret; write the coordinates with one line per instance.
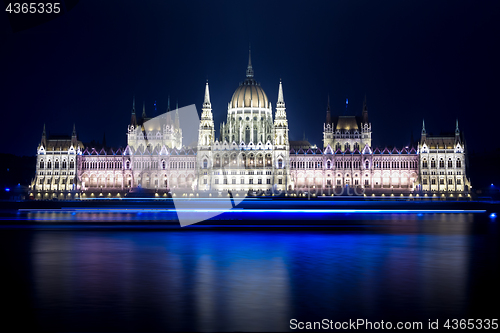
(424, 133)
(457, 132)
(168, 103)
(133, 119)
(44, 137)
(73, 136)
(280, 121)
(177, 125)
(328, 113)
(249, 67)
(206, 101)
(144, 110)
(365, 112)
(207, 129)
(281, 100)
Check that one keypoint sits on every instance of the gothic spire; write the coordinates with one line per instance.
(249, 67)
(206, 102)
(143, 109)
(456, 128)
(177, 125)
(73, 136)
(281, 100)
(44, 136)
(423, 127)
(328, 113)
(365, 112)
(133, 119)
(168, 103)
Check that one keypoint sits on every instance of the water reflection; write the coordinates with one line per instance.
(252, 280)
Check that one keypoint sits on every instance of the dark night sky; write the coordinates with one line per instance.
(436, 60)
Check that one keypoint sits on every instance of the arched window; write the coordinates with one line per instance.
(64, 164)
(459, 163)
(433, 163)
(450, 163)
(49, 164)
(205, 163)
(424, 163)
(367, 164)
(42, 164)
(441, 163)
(56, 164)
(247, 135)
(328, 164)
(163, 165)
(280, 163)
(127, 164)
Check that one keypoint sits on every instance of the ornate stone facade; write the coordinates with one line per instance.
(252, 154)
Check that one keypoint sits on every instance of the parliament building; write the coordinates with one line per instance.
(252, 155)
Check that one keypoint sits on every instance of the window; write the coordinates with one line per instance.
(251, 181)
(280, 163)
(367, 182)
(42, 165)
(450, 163)
(205, 181)
(216, 180)
(205, 164)
(459, 182)
(339, 182)
(328, 164)
(459, 163)
(367, 164)
(433, 181)
(441, 181)
(280, 181)
(242, 181)
(441, 163)
(268, 181)
(425, 181)
(225, 181)
(450, 181)
(233, 181)
(433, 163)
(356, 181)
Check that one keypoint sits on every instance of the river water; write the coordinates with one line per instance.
(87, 271)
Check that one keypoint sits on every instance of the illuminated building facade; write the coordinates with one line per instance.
(253, 153)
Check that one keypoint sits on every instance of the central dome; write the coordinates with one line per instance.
(249, 94)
